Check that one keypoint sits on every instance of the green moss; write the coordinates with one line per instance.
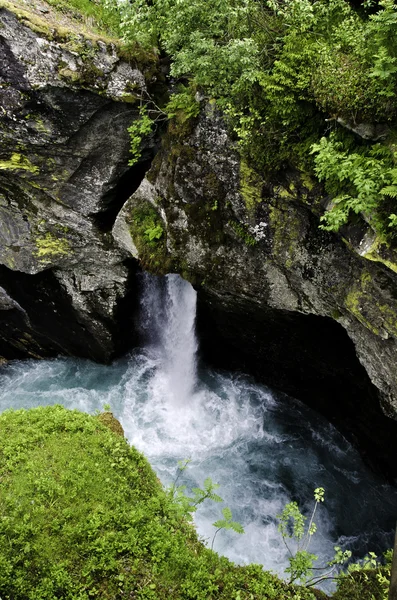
(40, 125)
(250, 186)
(355, 301)
(50, 246)
(70, 75)
(84, 516)
(242, 233)
(149, 237)
(129, 98)
(376, 316)
(389, 318)
(84, 19)
(361, 585)
(307, 180)
(17, 162)
(108, 419)
(34, 22)
(284, 193)
(286, 230)
(374, 253)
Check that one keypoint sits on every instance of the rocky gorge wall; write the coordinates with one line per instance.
(297, 306)
(308, 312)
(66, 99)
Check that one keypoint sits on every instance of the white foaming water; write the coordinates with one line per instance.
(263, 450)
(169, 314)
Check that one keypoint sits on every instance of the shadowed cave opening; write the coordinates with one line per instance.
(308, 357)
(126, 185)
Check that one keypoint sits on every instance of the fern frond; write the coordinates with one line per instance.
(389, 190)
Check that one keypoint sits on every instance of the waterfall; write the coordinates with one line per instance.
(168, 308)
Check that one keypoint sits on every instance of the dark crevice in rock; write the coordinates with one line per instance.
(127, 313)
(42, 321)
(306, 356)
(124, 187)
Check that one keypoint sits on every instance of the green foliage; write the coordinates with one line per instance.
(356, 180)
(105, 18)
(82, 515)
(140, 128)
(154, 233)
(367, 580)
(242, 233)
(182, 105)
(226, 523)
(281, 71)
(188, 504)
(148, 233)
(301, 562)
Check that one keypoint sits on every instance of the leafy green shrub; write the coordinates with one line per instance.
(149, 236)
(189, 504)
(367, 580)
(82, 515)
(281, 71)
(138, 130)
(357, 180)
(292, 526)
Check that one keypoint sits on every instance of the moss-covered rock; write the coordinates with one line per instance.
(363, 584)
(108, 419)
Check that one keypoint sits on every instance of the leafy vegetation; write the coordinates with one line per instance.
(357, 180)
(289, 76)
(82, 515)
(368, 580)
(189, 504)
(148, 233)
(292, 526)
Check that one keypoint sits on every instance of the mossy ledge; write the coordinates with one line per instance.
(83, 515)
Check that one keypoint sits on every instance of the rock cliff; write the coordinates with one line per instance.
(67, 99)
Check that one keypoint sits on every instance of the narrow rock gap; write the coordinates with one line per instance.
(126, 185)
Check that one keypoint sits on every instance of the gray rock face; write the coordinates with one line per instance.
(297, 306)
(66, 103)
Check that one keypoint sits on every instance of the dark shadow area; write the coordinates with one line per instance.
(128, 308)
(308, 357)
(38, 319)
(43, 322)
(126, 185)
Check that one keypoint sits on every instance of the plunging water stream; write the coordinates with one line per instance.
(263, 450)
